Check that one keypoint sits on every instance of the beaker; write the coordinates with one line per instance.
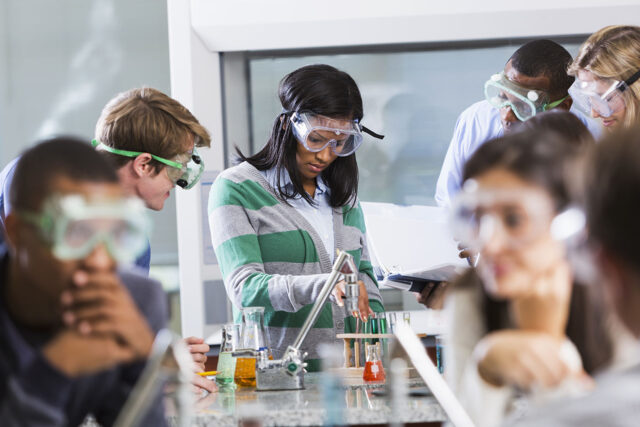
(373, 370)
(226, 362)
(254, 337)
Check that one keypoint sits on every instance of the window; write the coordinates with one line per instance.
(413, 97)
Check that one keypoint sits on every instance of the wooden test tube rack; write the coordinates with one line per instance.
(347, 338)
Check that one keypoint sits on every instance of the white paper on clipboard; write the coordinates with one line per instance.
(412, 243)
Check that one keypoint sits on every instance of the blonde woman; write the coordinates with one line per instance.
(607, 70)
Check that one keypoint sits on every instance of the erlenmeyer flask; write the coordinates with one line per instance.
(226, 362)
(253, 337)
(373, 370)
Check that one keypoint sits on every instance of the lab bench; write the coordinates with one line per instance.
(362, 406)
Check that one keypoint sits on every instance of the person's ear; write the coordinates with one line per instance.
(12, 231)
(141, 165)
(283, 122)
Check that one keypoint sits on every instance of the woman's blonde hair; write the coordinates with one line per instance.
(613, 53)
(148, 121)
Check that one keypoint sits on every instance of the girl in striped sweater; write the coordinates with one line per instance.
(278, 217)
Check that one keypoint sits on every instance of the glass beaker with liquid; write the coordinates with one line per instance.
(226, 362)
(373, 370)
(254, 337)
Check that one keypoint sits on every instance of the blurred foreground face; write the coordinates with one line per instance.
(49, 256)
(512, 233)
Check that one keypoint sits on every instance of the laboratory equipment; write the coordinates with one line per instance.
(287, 373)
(226, 362)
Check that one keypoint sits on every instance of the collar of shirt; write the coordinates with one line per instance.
(285, 181)
(319, 215)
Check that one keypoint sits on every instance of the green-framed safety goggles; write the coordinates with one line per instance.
(184, 170)
(525, 103)
(73, 225)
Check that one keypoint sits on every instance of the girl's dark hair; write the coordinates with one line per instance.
(612, 196)
(534, 155)
(567, 125)
(542, 157)
(324, 90)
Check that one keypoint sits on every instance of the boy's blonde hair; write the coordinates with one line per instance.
(148, 121)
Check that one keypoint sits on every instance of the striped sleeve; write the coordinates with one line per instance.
(238, 247)
(353, 218)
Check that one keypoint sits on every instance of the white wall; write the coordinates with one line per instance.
(283, 24)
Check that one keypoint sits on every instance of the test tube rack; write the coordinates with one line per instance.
(357, 347)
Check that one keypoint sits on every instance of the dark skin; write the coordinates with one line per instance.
(94, 322)
(542, 83)
(311, 164)
(432, 296)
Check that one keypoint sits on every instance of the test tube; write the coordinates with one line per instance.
(391, 318)
(440, 343)
(382, 323)
(382, 328)
(373, 326)
(406, 316)
(366, 329)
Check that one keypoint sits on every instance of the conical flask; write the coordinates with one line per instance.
(373, 370)
(254, 337)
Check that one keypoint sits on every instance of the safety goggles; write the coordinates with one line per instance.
(73, 226)
(525, 103)
(516, 217)
(604, 96)
(184, 170)
(316, 132)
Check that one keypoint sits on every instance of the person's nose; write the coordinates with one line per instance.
(493, 237)
(595, 114)
(100, 259)
(325, 154)
(507, 115)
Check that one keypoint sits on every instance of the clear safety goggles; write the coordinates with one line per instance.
(184, 170)
(73, 226)
(604, 96)
(525, 103)
(516, 217)
(316, 132)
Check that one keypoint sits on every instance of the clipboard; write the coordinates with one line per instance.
(411, 246)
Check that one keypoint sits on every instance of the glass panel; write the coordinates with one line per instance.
(414, 98)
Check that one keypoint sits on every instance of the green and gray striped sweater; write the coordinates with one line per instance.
(270, 256)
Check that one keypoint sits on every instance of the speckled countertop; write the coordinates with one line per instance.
(306, 407)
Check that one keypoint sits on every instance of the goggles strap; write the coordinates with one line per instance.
(554, 103)
(126, 153)
(372, 133)
(631, 80)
